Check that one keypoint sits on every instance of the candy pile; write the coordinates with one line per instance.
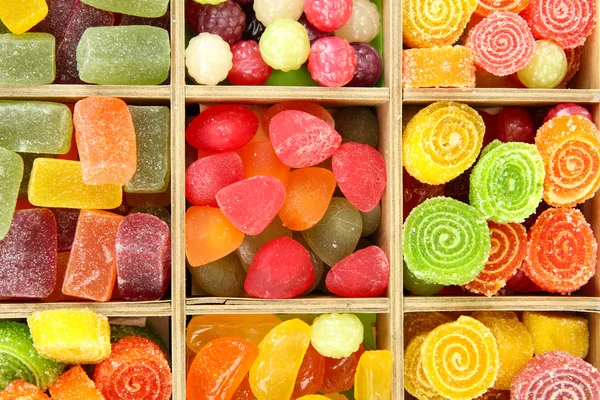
(245, 41)
(488, 43)
(34, 359)
(73, 249)
(286, 357)
(479, 215)
(264, 187)
(495, 355)
(107, 42)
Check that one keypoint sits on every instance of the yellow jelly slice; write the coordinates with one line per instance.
(557, 331)
(373, 379)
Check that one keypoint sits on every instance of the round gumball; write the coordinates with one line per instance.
(248, 65)
(332, 61)
(368, 67)
(328, 15)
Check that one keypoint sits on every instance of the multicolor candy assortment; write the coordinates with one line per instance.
(247, 356)
(497, 355)
(265, 217)
(277, 42)
(479, 219)
(84, 242)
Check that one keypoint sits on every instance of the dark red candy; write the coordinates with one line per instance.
(253, 203)
(360, 173)
(205, 177)
(567, 109)
(339, 372)
(254, 28)
(225, 19)
(513, 124)
(311, 373)
(490, 127)
(160, 22)
(302, 140)
(222, 128)
(459, 188)
(248, 66)
(66, 223)
(282, 269)
(332, 61)
(520, 283)
(368, 67)
(59, 12)
(365, 273)
(416, 192)
(314, 34)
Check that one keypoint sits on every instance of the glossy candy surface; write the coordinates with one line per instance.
(373, 379)
(340, 372)
(328, 15)
(222, 278)
(547, 68)
(205, 177)
(252, 244)
(284, 45)
(311, 373)
(248, 65)
(365, 273)
(205, 69)
(364, 23)
(268, 11)
(225, 19)
(332, 61)
(259, 158)
(337, 335)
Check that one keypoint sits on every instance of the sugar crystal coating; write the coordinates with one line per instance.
(363, 25)
(74, 384)
(446, 66)
(305, 106)
(118, 332)
(415, 381)
(284, 45)
(487, 7)
(21, 16)
(59, 13)
(205, 177)
(208, 59)
(27, 59)
(11, 174)
(21, 389)
(337, 335)
(558, 331)
(422, 322)
(28, 159)
(140, 8)
(373, 379)
(62, 261)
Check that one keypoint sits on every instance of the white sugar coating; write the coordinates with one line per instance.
(208, 59)
(139, 8)
(11, 174)
(363, 25)
(267, 11)
(337, 335)
(27, 59)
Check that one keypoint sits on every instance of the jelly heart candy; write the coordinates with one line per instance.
(284, 45)
(332, 61)
(282, 268)
(373, 379)
(21, 389)
(547, 68)
(208, 70)
(337, 335)
(140, 8)
(27, 59)
(368, 66)
(226, 19)
(222, 128)
(364, 23)
(365, 273)
(301, 139)
(222, 278)
(259, 158)
(252, 244)
(219, 368)
(205, 177)
(328, 15)
(22, 16)
(558, 331)
(311, 374)
(248, 65)
(357, 124)
(74, 385)
(419, 67)
(339, 372)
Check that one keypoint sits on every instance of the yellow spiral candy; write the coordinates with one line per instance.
(442, 141)
(415, 381)
(422, 322)
(460, 359)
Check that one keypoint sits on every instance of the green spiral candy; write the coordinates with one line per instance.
(507, 182)
(20, 360)
(446, 242)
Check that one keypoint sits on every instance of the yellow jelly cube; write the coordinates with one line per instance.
(448, 66)
(71, 336)
(59, 183)
(19, 16)
(558, 331)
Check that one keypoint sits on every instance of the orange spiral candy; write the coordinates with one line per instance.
(561, 251)
(487, 7)
(570, 148)
(573, 63)
(509, 247)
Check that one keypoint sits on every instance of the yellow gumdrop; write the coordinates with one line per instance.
(558, 331)
(422, 322)
(460, 359)
(514, 344)
(20, 16)
(415, 381)
(373, 378)
(442, 141)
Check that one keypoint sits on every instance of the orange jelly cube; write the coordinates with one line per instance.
(209, 235)
(92, 268)
(259, 158)
(74, 384)
(447, 66)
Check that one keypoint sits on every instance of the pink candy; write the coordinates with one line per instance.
(332, 61)
(567, 109)
(348, 278)
(328, 15)
(205, 177)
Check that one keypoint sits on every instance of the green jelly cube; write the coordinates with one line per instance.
(11, 173)
(124, 55)
(28, 159)
(139, 8)
(27, 59)
(35, 127)
(152, 127)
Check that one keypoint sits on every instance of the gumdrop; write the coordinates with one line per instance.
(259, 158)
(205, 177)
(365, 273)
(222, 278)
(74, 385)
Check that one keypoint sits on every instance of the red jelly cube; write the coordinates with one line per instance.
(57, 19)
(222, 128)
(361, 174)
(365, 273)
(282, 269)
(302, 140)
(66, 223)
(205, 177)
(251, 204)
(28, 255)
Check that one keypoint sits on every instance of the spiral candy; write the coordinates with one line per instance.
(442, 141)
(415, 381)
(486, 7)
(422, 322)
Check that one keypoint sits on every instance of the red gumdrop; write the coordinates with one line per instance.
(339, 372)
(281, 269)
(248, 66)
(222, 128)
(251, 204)
(302, 140)
(311, 374)
(567, 109)
(364, 273)
(513, 124)
(311, 108)
(205, 177)
(328, 15)
(416, 192)
(360, 173)
(332, 61)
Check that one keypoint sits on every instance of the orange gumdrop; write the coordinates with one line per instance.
(209, 235)
(311, 108)
(309, 192)
(21, 390)
(62, 260)
(259, 158)
(74, 384)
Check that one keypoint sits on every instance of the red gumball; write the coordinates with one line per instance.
(249, 69)
(513, 124)
(567, 109)
(332, 61)
(205, 177)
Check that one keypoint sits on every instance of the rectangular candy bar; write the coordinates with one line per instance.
(447, 66)
(139, 8)
(27, 59)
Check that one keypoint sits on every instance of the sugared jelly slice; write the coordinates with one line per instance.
(420, 67)
(373, 379)
(11, 175)
(558, 331)
(140, 8)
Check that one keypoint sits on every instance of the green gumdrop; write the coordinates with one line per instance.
(418, 286)
(251, 244)
(11, 175)
(35, 127)
(20, 360)
(507, 183)
(152, 130)
(357, 124)
(27, 59)
(299, 77)
(118, 332)
(139, 8)
(445, 241)
(157, 211)
(317, 263)
(370, 221)
(336, 235)
(124, 55)
(28, 159)
(222, 278)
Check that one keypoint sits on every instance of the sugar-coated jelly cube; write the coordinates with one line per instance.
(59, 183)
(447, 66)
(70, 336)
(20, 16)
(27, 59)
(157, 211)
(556, 331)
(28, 159)
(66, 222)
(75, 384)
(28, 255)
(62, 260)
(11, 174)
(35, 127)
(143, 257)
(92, 268)
(59, 13)
(152, 129)
(140, 8)
(124, 55)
